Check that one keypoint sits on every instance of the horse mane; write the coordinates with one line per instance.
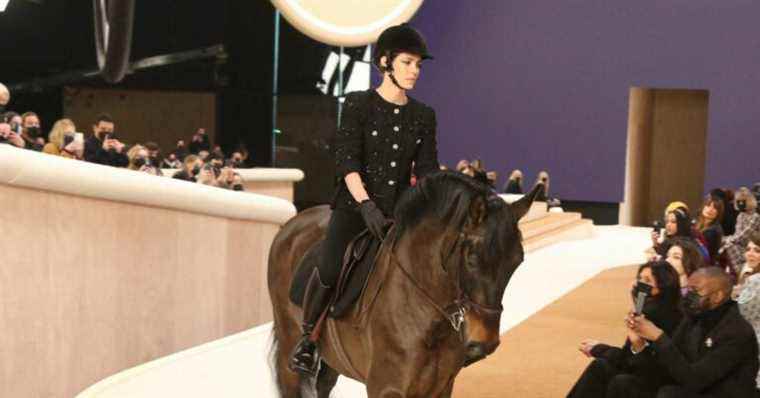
(448, 196)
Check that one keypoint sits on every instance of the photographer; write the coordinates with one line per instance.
(514, 184)
(65, 141)
(200, 142)
(8, 136)
(103, 147)
(747, 222)
(614, 369)
(31, 131)
(543, 178)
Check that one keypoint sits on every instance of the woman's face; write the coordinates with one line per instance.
(671, 224)
(752, 255)
(646, 276)
(709, 212)
(675, 258)
(406, 69)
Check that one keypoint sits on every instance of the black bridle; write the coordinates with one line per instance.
(454, 312)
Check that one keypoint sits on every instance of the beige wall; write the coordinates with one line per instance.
(667, 133)
(160, 116)
(89, 287)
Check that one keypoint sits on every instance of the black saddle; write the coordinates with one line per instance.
(358, 263)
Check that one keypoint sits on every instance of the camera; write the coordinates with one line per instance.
(657, 226)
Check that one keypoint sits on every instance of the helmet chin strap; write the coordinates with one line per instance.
(393, 79)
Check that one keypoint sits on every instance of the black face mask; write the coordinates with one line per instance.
(691, 304)
(140, 162)
(237, 187)
(196, 170)
(741, 205)
(33, 131)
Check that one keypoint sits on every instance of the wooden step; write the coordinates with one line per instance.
(571, 230)
(547, 223)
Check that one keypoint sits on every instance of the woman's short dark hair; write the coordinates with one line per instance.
(667, 280)
(692, 259)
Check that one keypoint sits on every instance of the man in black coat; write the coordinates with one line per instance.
(103, 147)
(713, 353)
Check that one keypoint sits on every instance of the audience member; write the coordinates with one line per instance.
(5, 97)
(191, 167)
(749, 297)
(154, 151)
(543, 178)
(708, 225)
(180, 151)
(684, 256)
(712, 353)
(677, 225)
(14, 119)
(171, 162)
(199, 142)
(8, 136)
(236, 160)
(203, 155)
(747, 222)
(514, 183)
(103, 147)
(63, 141)
(729, 217)
(462, 165)
(614, 369)
(31, 131)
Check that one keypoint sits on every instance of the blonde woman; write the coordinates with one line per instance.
(747, 222)
(60, 145)
(139, 160)
(543, 178)
(514, 183)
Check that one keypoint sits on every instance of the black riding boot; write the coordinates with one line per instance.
(305, 356)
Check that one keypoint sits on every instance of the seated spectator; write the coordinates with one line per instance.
(171, 162)
(236, 160)
(514, 183)
(203, 155)
(180, 151)
(729, 215)
(677, 225)
(139, 160)
(31, 131)
(229, 179)
(708, 225)
(614, 368)
(5, 97)
(477, 164)
(206, 176)
(200, 142)
(154, 151)
(749, 290)
(63, 142)
(191, 167)
(218, 153)
(712, 353)
(543, 178)
(492, 177)
(684, 256)
(747, 223)
(8, 136)
(462, 165)
(103, 147)
(14, 119)
(751, 263)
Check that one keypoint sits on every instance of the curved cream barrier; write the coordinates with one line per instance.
(104, 269)
(41, 171)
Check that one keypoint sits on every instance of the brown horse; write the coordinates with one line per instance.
(433, 301)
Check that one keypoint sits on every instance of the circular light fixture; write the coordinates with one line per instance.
(348, 23)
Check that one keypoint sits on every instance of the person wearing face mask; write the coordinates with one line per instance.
(31, 131)
(614, 368)
(63, 141)
(514, 183)
(191, 167)
(749, 287)
(713, 353)
(103, 147)
(747, 223)
(8, 136)
(383, 138)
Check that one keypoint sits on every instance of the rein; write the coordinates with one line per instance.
(459, 307)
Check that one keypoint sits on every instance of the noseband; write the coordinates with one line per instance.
(455, 311)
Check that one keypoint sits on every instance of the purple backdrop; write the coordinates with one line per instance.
(534, 85)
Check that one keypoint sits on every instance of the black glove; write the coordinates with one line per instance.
(374, 218)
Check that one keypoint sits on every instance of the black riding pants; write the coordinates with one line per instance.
(344, 225)
(601, 379)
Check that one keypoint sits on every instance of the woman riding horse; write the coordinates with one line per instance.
(383, 132)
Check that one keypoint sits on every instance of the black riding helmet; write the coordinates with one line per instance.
(397, 39)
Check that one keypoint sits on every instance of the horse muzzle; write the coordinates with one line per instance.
(475, 351)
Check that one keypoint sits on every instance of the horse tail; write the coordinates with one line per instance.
(274, 351)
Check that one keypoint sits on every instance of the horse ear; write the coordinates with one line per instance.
(521, 207)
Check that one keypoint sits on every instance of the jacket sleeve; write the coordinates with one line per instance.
(426, 161)
(349, 139)
(711, 368)
(91, 151)
(747, 227)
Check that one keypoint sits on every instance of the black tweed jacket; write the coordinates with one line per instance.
(384, 143)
